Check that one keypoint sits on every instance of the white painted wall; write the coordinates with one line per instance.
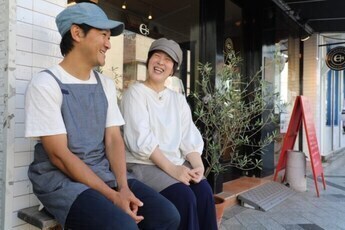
(311, 85)
(31, 43)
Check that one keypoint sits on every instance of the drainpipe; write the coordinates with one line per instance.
(301, 65)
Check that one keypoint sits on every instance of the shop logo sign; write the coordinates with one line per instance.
(144, 30)
(335, 58)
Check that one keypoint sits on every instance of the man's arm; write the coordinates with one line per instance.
(77, 170)
(115, 152)
(72, 166)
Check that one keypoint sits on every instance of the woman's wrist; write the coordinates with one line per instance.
(195, 160)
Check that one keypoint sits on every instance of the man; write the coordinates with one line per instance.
(79, 171)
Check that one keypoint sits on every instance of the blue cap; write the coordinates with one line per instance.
(89, 14)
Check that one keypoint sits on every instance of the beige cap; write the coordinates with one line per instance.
(170, 47)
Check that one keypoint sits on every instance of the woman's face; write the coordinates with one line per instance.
(160, 67)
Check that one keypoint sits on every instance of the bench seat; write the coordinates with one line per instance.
(40, 219)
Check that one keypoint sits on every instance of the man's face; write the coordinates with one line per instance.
(94, 45)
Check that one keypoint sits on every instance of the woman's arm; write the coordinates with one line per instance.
(137, 133)
(179, 172)
(197, 172)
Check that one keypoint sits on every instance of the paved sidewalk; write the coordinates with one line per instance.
(304, 210)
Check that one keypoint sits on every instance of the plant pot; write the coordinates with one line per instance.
(232, 173)
(220, 205)
(216, 182)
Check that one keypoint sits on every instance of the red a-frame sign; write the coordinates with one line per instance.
(302, 111)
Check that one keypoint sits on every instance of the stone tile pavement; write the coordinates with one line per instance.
(303, 210)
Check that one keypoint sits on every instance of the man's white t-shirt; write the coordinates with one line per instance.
(44, 99)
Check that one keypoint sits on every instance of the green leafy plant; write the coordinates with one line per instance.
(231, 113)
(117, 78)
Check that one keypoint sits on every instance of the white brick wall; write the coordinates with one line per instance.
(2, 107)
(8, 100)
(34, 45)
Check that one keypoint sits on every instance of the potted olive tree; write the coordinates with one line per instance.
(230, 112)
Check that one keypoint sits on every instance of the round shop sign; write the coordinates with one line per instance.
(228, 45)
(335, 58)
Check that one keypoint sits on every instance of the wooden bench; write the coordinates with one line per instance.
(40, 219)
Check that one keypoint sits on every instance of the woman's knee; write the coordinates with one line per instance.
(203, 190)
(180, 193)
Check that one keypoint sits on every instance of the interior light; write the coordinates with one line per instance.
(150, 13)
(124, 5)
(305, 38)
(71, 3)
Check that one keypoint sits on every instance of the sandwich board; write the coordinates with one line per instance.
(302, 112)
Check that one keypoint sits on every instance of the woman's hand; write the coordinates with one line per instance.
(126, 200)
(197, 174)
(179, 172)
(182, 173)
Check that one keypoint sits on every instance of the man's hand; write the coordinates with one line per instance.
(115, 152)
(126, 200)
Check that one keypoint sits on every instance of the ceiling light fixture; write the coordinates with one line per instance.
(71, 3)
(150, 13)
(124, 6)
(305, 38)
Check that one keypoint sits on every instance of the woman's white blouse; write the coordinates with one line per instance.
(158, 119)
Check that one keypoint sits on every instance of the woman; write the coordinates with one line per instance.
(163, 145)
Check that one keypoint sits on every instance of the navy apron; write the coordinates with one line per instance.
(84, 108)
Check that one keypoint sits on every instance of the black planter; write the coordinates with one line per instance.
(216, 182)
(232, 173)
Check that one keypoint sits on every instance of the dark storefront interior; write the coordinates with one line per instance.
(205, 28)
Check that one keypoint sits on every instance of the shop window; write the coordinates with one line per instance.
(336, 98)
(328, 98)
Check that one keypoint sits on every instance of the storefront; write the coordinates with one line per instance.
(258, 31)
(331, 52)
(29, 42)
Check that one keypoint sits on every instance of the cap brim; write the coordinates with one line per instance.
(116, 28)
(167, 50)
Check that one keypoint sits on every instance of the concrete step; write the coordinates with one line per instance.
(232, 189)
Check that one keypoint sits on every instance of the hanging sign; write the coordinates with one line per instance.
(302, 112)
(144, 30)
(335, 58)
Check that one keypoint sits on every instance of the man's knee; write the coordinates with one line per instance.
(170, 214)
